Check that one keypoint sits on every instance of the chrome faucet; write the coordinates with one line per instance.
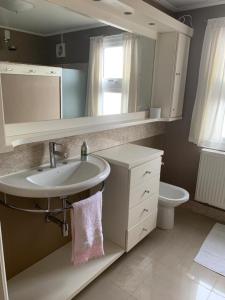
(53, 153)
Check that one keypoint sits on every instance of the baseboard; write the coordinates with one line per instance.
(200, 208)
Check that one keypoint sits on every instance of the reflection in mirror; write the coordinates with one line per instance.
(55, 63)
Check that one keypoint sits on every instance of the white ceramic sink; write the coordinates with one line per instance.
(66, 179)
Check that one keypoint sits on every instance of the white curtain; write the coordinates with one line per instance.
(95, 75)
(208, 119)
(130, 73)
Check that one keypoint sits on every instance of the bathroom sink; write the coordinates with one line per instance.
(66, 179)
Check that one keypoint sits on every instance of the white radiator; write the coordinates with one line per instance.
(211, 178)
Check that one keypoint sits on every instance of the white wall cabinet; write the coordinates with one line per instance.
(170, 73)
(131, 196)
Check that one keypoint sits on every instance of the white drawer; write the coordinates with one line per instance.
(137, 233)
(145, 171)
(144, 191)
(143, 210)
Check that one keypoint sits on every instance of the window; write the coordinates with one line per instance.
(112, 75)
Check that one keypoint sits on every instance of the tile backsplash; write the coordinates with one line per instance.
(33, 155)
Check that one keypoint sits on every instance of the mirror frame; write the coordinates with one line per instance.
(145, 20)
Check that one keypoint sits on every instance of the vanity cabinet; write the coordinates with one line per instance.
(131, 195)
(171, 63)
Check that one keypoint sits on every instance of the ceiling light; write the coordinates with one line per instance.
(16, 5)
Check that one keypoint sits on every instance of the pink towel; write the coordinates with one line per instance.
(86, 224)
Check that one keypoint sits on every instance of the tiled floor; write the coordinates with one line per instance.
(162, 268)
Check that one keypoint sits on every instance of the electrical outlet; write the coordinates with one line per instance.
(60, 50)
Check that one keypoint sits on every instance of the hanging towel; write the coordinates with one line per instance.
(86, 224)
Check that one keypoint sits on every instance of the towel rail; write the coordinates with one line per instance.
(50, 214)
(67, 205)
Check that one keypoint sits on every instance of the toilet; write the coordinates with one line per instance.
(170, 196)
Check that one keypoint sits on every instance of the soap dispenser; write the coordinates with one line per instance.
(84, 151)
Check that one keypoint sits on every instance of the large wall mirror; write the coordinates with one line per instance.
(57, 64)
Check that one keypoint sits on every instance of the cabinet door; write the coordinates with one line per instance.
(183, 45)
(33, 98)
(164, 72)
(3, 282)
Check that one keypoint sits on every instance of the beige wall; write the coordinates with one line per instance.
(26, 237)
(159, 6)
(34, 49)
(30, 48)
(77, 45)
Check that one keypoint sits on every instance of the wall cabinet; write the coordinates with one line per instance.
(170, 73)
(131, 196)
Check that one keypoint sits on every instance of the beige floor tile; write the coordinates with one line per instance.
(103, 289)
(165, 285)
(202, 275)
(161, 267)
(190, 291)
(126, 276)
(214, 296)
(219, 287)
(139, 260)
(148, 292)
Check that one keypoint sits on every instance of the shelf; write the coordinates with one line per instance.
(21, 139)
(55, 278)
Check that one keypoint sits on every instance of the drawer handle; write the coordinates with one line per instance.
(145, 229)
(9, 69)
(146, 210)
(148, 173)
(147, 192)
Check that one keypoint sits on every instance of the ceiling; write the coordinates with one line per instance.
(179, 5)
(41, 18)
